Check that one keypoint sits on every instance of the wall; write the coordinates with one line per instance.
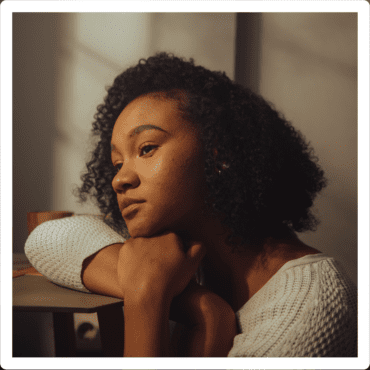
(308, 70)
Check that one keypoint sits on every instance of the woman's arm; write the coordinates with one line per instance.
(152, 280)
(212, 334)
(58, 249)
(99, 272)
(99, 275)
(147, 332)
(206, 323)
(214, 340)
(82, 252)
(147, 329)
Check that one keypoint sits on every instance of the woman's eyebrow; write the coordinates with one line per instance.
(138, 130)
(141, 128)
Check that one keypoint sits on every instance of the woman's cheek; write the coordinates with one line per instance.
(152, 168)
(156, 167)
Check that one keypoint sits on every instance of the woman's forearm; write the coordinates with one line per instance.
(214, 338)
(99, 275)
(195, 307)
(212, 325)
(147, 332)
(99, 272)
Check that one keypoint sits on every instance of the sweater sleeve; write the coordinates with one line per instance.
(58, 248)
(306, 311)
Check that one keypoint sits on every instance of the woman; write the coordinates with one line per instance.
(195, 172)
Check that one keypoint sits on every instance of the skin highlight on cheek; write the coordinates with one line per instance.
(157, 168)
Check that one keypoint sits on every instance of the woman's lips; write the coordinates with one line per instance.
(130, 210)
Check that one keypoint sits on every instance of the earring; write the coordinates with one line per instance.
(224, 165)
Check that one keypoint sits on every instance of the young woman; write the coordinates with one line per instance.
(196, 174)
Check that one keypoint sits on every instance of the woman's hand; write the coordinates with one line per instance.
(157, 267)
(151, 272)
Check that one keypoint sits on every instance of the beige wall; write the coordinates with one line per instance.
(309, 72)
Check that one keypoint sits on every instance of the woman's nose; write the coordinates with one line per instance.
(125, 178)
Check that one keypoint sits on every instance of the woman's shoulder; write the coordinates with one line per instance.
(318, 273)
(298, 306)
(325, 270)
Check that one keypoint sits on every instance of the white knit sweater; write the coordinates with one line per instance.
(308, 308)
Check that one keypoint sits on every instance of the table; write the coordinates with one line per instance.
(34, 293)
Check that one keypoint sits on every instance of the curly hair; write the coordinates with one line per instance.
(260, 172)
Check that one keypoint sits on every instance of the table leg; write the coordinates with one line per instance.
(64, 334)
(111, 326)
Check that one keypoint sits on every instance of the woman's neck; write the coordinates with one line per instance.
(237, 276)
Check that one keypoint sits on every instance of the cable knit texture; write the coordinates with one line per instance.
(307, 309)
(58, 248)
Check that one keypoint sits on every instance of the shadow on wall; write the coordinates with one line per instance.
(36, 39)
(248, 53)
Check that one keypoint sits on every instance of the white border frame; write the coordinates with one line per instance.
(360, 7)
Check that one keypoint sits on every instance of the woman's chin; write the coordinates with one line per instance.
(142, 230)
(146, 227)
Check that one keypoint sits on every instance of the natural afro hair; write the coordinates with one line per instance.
(260, 173)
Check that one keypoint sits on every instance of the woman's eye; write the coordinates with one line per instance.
(147, 149)
(144, 151)
(116, 167)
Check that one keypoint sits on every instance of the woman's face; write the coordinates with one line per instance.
(159, 162)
